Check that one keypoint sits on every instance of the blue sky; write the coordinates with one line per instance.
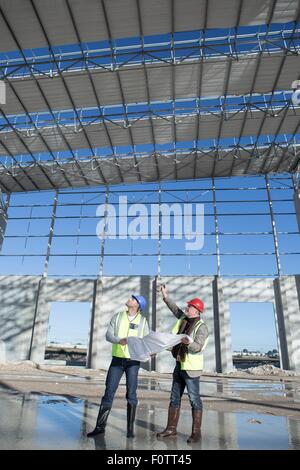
(75, 231)
(252, 324)
(69, 322)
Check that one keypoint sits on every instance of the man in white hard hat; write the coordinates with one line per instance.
(129, 322)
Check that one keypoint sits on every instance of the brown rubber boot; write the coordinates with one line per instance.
(171, 429)
(196, 428)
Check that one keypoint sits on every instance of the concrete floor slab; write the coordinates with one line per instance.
(252, 414)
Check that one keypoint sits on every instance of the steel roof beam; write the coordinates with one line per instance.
(91, 82)
(13, 69)
(22, 53)
(200, 88)
(147, 85)
(110, 40)
(17, 180)
(3, 114)
(259, 59)
(226, 83)
(66, 89)
(285, 112)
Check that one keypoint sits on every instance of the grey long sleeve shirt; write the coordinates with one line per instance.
(111, 330)
(200, 337)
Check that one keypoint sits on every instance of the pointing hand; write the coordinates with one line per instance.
(163, 291)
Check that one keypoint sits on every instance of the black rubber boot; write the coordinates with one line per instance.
(101, 421)
(131, 410)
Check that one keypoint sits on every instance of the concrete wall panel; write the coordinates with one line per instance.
(290, 301)
(26, 303)
(17, 300)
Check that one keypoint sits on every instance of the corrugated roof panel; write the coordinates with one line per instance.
(231, 127)
(164, 132)
(89, 20)
(110, 172)
(187, 80)
(14, 145)
(166, 167)
(98, 135)
(267, 73)
(160, 83)
(183, 16)
(58, 140)
(141, 132)
(123, 18)
(81, 91)
(147, 168)
(133, 83)
(223, 166)
(258, 12)
(156, 17)
(290, 68)
(185, 168)
(29, 94)
(56, 95)
(23, 22)
(204, 166)
(187, 128)
(221, 13)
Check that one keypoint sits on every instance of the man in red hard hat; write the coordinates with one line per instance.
(189, 364)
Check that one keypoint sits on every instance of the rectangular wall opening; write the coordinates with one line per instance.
(68, 334)
(253, 334)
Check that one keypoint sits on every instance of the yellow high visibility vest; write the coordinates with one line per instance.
(192, 361)
(123, 330)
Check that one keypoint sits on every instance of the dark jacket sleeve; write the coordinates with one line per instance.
(173, 307)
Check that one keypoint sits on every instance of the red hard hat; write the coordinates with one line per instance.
(197, 303)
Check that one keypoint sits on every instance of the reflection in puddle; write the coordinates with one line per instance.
(41, 421)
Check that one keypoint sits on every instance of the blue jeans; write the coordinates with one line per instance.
(116, 369)
(180, 381)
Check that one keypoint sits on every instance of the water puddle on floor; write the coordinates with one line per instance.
(41, 421)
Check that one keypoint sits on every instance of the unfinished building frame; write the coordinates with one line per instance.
(107, 94)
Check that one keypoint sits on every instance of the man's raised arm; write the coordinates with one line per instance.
(172, 306)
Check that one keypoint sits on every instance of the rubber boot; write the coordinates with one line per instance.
(171, 429)
(101, 421)
(131, 410)
(196, 428)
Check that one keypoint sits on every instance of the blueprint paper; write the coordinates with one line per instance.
(140, 349)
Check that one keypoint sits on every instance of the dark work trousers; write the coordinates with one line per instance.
(116, 369)
(180, 381)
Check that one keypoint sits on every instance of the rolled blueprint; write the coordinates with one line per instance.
(140, 349)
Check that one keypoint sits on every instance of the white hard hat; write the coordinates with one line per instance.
(295, 84)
